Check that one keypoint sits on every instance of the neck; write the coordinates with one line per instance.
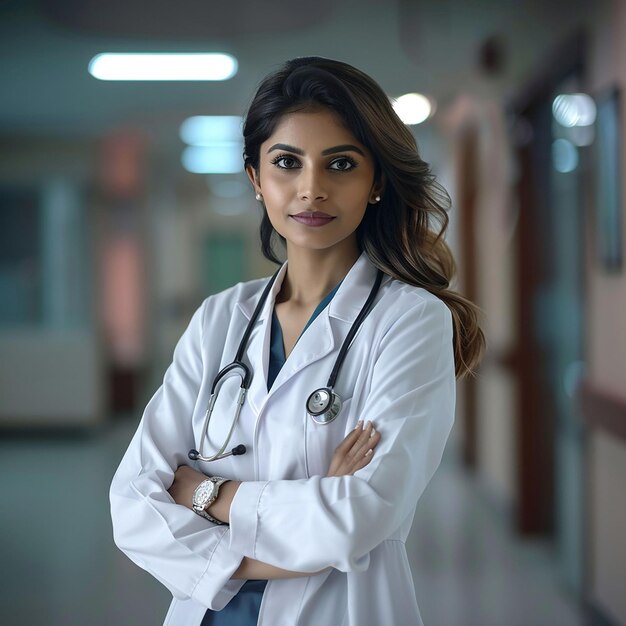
(312, 274)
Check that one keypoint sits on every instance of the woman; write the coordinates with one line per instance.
(315, 513)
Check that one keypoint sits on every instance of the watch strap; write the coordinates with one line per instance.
(208, 516)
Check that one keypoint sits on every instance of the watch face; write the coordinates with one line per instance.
(203, 493)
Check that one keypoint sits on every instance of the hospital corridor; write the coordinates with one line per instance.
(151, 154)
(469, 567)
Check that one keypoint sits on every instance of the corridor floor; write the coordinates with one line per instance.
(60, 566)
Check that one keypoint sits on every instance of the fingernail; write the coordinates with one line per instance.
(372, 433)
(368, 452)
(369, 423)
(358, 424)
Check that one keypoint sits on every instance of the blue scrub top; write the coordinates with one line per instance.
(243, 609)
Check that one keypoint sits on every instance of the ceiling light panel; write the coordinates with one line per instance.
(161, 66)
(223, 159)
(203, 130)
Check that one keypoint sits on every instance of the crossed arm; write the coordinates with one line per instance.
(354, 453)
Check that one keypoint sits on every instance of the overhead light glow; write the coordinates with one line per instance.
(413, 108)
(163, 66)
(225, 158)
(576, 109)
(202, 130)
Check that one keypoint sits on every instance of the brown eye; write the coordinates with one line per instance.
(285, 162)
(344, 164)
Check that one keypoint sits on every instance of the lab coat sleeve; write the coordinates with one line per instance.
(185, 552)
(310, 524)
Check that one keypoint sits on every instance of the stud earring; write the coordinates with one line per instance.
(377, 198)
(259, 197)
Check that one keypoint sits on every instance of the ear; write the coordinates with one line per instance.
(377, 189)
(254, 179)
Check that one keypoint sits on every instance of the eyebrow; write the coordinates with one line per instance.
(343, 148)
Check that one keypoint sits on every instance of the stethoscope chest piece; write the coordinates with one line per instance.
(323, 405)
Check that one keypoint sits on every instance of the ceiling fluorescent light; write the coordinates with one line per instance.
(163, 66)
(205, 130)
(223, 159)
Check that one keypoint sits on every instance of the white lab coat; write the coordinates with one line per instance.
(399, 373)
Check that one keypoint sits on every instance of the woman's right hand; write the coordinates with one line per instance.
(355, 451)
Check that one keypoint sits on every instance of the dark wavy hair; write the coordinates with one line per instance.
(403, 234)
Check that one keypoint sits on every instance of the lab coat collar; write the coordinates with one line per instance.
(247, 306)
(345, 305)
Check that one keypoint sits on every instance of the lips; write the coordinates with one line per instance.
(313, 218)
(312, 214)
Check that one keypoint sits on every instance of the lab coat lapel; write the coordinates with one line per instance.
(331, 326)
(257, 351)
(317, 341)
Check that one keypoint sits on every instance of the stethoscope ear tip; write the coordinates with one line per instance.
(193, 455)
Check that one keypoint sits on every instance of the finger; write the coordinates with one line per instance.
(366, 450)
(361, 443)
(362, 462)
(366, 455)
(350, 439)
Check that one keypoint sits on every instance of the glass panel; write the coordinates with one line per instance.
(565, 313)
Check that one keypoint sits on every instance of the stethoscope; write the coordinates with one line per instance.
(323, 405)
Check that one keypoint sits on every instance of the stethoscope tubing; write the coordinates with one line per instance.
(369, 303)
(220, 454)
(238, 367)
(253, 319)
(246, 380)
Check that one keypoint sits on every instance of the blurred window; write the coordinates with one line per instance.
(20, 256)
(43, 257)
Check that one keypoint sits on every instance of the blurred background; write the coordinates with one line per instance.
(117, 220)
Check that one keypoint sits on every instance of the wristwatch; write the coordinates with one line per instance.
(205, 495)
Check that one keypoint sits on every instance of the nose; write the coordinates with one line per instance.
(311, 187)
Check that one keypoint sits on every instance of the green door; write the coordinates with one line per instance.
(223, 263)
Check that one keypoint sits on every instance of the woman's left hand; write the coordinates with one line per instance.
(355, 451)
(186, 479)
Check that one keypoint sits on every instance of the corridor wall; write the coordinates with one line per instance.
(606, 350)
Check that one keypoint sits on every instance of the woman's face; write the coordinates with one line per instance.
(316, 180)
